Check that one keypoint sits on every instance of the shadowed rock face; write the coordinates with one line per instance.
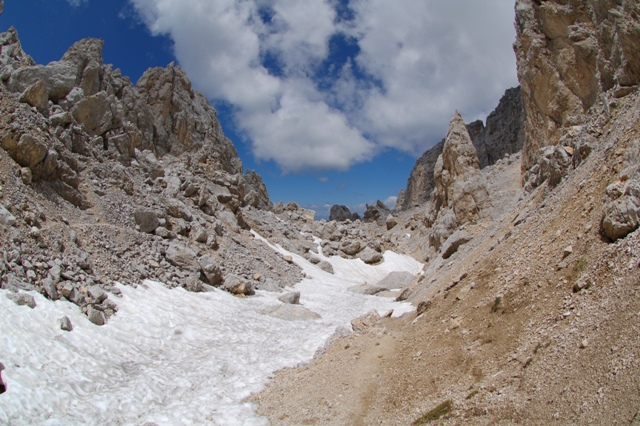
(3, 386)
(569, 52)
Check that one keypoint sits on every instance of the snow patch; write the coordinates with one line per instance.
(169, 356)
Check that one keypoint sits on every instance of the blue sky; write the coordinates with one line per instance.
(330, 101)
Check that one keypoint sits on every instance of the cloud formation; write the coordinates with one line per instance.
(326, 84)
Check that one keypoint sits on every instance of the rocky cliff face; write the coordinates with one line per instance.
(502, 135)
(87, 109)
(569, 53)
(108, 181)
(460, 192)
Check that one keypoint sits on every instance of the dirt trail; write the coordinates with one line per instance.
(536, 321)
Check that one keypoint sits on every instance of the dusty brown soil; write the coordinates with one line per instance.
(514, 341)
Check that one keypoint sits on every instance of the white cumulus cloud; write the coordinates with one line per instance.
(416, 62)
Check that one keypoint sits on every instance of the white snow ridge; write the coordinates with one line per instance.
(170, 357)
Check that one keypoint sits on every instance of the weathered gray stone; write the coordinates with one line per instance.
(28, 151)
(60, 78)
(292, 298)
(370, 256)
(326, 266)
(97, 293)
(147, 220)
(453, 243)
(6, 218)
(96, 316)
(340, 213)
(391, 222)
(83, 261)
(182, 256)
(552, 163)
(363, 323)
(621, 214)
(211, 270)
(396, 279)
(49, 287)
(236, 285)
(36, 95)
(22, 299)
(193, 284)
(94, 113)
(65, 324)
(55, 273)
(177, 208)
(351, 248)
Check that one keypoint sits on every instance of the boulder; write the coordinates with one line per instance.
(363, 323)
(96, 316)
(292, 298)
(326, 266)
(60, 78)
(454, 242)
(396, 279)
(6, 218)
(49, 287)
(551, 164)
(391, 222)
(178, 209)
(182, 256)
(94, 113)
(211, 270)
(96, 293)
(621, 214)
(36, 96)
(146, 220)
(351, 248)
(22, 299)
(340, 213)
(370, 256)
(28, 150)
(193, 284)
(65, 324)
(236, 285)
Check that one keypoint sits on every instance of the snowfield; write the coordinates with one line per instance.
(171, 357)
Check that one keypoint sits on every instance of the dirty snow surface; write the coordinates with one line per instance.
(170, 357)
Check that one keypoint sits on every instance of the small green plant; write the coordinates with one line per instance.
(581, 265)
(441, 410)
(497, 304)
(472, 394)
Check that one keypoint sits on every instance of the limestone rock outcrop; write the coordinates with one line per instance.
(570, 52)
(460, 192)
(94, 111)
(420, 182)
(377, 213)
(104, 181)
(340, 213)
(502, 135)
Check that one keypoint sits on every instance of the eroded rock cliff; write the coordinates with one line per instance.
(502, 135)
(569, 53)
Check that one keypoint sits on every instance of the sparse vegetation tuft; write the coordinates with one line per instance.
(497, 304)
(472, 394)
(441, 410)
